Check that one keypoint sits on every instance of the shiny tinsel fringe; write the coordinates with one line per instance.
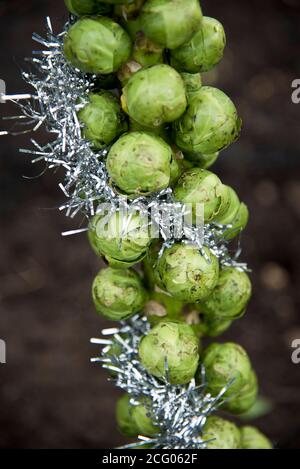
(179, 411)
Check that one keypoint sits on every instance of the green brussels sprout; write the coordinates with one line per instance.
(170, 23)
(175, 344)
(97, 45)
(215, 327)
(102, 119)
(203, 51)
(123, 239)
(238, 224)
(134, 419)
(163, 307)
(141, 415)
(118, 294)
(88, 7)
(221, 434)
(202, 161)
(223, 363)
(252, 438)
(146, 52)
(192, 82)
(154, 96)
(127, 70)
(201, 187)
(231, 295)
(139, 163)
(229, 212)
(125, 422)
(245, 399)
(209, 124)
(187, 274)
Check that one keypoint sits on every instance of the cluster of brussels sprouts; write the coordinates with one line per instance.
(134, 419)
(149, 104)
(223, 363)
(162, 129)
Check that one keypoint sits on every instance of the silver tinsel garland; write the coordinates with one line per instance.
(59, 88)
(180, 412)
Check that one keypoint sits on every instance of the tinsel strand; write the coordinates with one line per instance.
(180, 411)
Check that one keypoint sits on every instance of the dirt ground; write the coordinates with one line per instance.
(50, 394)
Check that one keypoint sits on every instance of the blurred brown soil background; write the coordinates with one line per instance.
(50, 395)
